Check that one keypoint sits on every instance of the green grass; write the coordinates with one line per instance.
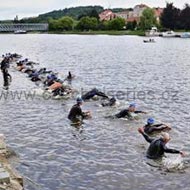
(101, 32)
(182, 30)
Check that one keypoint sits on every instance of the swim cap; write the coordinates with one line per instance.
(79, 100)
(49, 77)
(132, 105)
(52, 77)
(150, 120)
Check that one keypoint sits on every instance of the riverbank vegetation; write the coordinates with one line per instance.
(85, 20)
(89, 23)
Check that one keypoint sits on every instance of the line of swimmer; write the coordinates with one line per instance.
(56, 87)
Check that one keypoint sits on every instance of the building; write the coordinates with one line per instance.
(125, 14)
(130, 15)
(158, 12)
(107, 15)
(133, 15)
(138, 10)
(16, 18)
(136, 13)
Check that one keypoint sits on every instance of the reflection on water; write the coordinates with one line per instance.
(103, 153)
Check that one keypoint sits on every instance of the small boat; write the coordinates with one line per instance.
(185, 35)
(169, 34)
(20, 32)
(149, 41)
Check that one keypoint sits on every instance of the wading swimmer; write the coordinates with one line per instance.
(157, 146)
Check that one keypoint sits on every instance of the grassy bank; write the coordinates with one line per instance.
(101, 32)
(91, 32)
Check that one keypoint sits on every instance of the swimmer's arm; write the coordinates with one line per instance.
(157, 128)
(164, 126)
(169, 150)
(140, 112)
(147, 138)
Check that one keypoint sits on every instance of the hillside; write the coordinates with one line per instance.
(74, 12)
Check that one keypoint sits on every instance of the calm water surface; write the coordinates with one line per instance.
(106, 154)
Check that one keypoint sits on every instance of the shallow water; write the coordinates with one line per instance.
(105, 154)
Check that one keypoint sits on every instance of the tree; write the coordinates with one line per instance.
(102, 25)
(131, 25)
(94, 14)
(170, 17)
(82, 15)
(148, 19)
(184, 18)
(65, 23)
(53, 24)
(87, 23)
(116, 24)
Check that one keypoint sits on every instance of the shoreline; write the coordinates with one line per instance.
(91, 32)
(101, 32)
(9, 177)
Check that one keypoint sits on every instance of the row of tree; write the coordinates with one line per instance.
(85, 23)
(175, 18)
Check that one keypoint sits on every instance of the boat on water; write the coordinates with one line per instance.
(149, 41)
(153, 32)
(185, 35)
(20, 32)
(169, 34)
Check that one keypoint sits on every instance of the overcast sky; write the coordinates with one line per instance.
(26, 8)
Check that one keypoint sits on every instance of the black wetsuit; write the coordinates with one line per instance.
(153, 128)
(59, 91)
(111, 102)
(157, 148)
(126, 113)
(29, 71)
(92, 93)
(69, 77)
(35, 79)
(49, 82)
(6, 75)
(76, 113)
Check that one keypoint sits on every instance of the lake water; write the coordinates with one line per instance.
(106, 154)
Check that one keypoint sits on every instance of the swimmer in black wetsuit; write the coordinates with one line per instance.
(127, 112)
(76, 114)
(6, 76)
(112, 102)
(92, 93)
(158, 146)
(150, 127)
(70, 76)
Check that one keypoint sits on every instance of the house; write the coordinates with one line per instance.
(158, 12)
(132, 15)
(107, 15)
(138, 10)
(125, 14)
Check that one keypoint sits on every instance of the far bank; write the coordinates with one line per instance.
(102, 32)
